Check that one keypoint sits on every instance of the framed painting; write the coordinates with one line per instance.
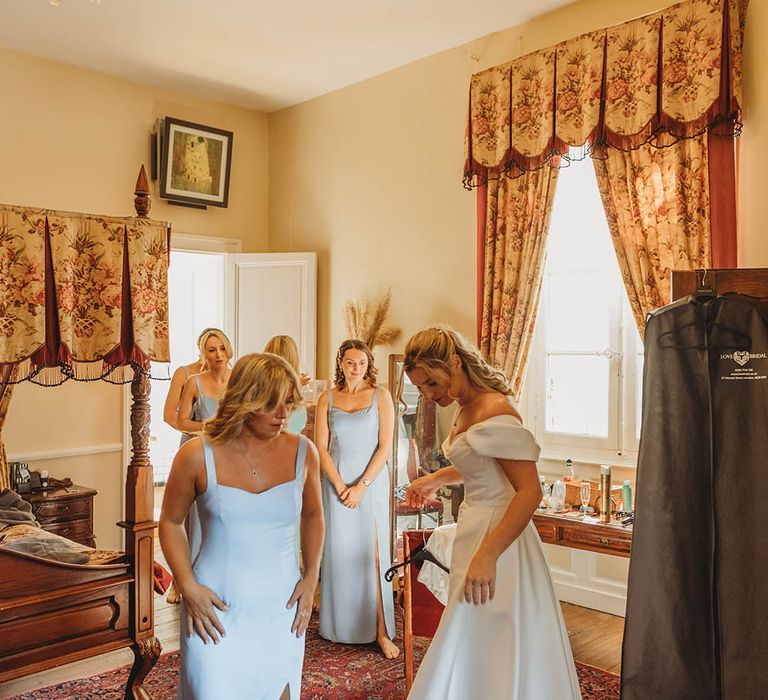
(195, 162)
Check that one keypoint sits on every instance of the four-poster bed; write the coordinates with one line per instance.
(91, 302)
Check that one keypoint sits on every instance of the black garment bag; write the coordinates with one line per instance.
(697, 599)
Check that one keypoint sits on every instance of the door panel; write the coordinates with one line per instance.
(272, 294)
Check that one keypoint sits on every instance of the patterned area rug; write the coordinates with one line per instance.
(331, 671)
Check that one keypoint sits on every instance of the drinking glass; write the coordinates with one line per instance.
(586, 491)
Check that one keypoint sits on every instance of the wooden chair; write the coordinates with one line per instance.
(421, 610)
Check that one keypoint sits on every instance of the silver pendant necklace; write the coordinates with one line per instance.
(251, 468)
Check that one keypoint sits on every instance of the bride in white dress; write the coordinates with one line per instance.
(501, 636)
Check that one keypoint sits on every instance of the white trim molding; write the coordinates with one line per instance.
(582, 585)
(205, 244)
(67, 452)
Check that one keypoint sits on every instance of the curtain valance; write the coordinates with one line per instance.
(83, 297)
(657, 79)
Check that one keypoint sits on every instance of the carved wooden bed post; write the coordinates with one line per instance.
(139, 521)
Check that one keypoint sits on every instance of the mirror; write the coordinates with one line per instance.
(421, 426)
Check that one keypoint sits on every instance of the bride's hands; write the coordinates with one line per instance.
(420, 490)
(480, 584)
(200, 603)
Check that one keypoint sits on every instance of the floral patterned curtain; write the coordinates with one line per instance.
(657, 206)
(84, 297)
(674, 73)
(518, 212)
(657, 103)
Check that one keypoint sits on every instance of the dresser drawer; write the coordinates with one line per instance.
(611, 542)
(547, 532)
(55, 511)
(76, 530)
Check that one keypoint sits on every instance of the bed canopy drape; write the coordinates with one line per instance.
(84, 297)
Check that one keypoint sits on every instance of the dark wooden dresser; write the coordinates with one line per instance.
(66, 511)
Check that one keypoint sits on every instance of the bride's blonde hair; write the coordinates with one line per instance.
(258, 383)
(432, 349)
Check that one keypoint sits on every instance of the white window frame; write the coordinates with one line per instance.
(620, 447)
(191, 243)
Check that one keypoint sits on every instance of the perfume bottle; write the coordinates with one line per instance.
(626, 496)
(605, 493)
(570, 473)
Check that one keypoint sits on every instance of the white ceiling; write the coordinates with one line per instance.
(257, 54)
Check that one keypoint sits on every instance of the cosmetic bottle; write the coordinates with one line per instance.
(626, 496)
(557, 499)
(605, 493)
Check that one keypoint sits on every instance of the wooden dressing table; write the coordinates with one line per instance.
(580, 533)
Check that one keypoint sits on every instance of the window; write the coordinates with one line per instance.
(583, 382)
(195, 301)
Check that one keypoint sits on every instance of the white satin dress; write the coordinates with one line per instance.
(516, 646)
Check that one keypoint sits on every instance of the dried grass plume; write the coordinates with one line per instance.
(368, 325)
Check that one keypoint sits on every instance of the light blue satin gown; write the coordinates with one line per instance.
(204, 408)
(248, 558)
(350, 579)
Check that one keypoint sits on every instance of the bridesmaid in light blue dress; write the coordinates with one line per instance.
(246, 604)
(188, 406)
(354, 423)
(204, 408)
(199, 402)
(284, 346)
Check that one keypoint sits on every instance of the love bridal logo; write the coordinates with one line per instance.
(741, 357)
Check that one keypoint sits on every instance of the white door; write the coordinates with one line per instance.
(272, 294)
(251, 297)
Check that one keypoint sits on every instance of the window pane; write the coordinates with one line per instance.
(579, 237)
(579, 311)
(195, 302)
(577, 395)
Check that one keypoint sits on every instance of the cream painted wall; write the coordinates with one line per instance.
(74, 140)
(369, 176)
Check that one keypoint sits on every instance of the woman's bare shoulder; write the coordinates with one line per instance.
(191, 456)
(493, 404)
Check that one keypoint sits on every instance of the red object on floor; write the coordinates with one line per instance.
(162, 578)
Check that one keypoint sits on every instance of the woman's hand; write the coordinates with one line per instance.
(352, 496)
(421, 490)
(200, 603)
(480, 584)
(304, 379)
(302, 597)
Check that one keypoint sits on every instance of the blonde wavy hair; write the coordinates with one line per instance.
(432, 348)
(258, 383)
(203, 338)
(284, 346)
(353, 344)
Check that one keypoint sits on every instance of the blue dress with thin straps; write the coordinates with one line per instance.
(248, 558)
(204, 408)
(350, 579)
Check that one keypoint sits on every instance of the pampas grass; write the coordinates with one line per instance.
(366, 324)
